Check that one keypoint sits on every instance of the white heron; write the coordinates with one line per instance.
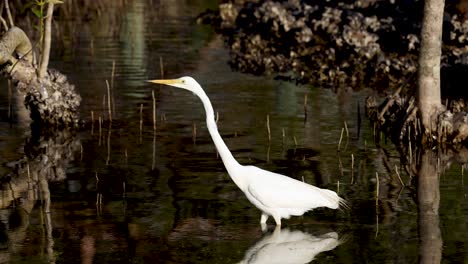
(274, 194)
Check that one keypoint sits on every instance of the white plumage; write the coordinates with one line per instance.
(274, 194)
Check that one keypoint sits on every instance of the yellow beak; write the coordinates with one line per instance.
(168, 82)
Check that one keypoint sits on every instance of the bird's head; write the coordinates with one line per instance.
(187, 83)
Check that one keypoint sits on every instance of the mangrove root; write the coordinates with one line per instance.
(51, 100)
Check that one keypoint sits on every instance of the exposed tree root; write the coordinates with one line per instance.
(399, 118)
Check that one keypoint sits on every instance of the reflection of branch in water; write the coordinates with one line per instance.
(46, 159)
(284, 246)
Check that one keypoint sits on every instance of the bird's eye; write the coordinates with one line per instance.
(183, 81)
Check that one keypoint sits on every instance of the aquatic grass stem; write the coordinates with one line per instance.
(194, 133)
(161, 67)
(377, 189)
(112, 86)
(341, 138)
(92, 122)
(398, 174)
(347, 136)
(112, 74)
(377, 204)
(154, 110)
(346, 128)
(284, 136)
(268, 128)
(305, 107)
(153, 164)
(141, 121)
(100, 130)
(268, 153)
(104, 100)
(109, 143)
(340, 166)
(109, 101)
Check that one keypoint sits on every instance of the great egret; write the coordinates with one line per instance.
(274, 194)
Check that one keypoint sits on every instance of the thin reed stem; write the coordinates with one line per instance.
(284, 136)
(194, 132)
(154, 110)
(100, 130)
(141, 120)
(268, 128)
(377, 189)
(346, 128)
(161, 67)
(109, 101)
(341, 138)
(398, 174)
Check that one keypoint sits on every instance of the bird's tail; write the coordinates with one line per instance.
(343, 204)
(334, 201)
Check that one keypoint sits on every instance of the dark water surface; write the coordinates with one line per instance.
(115, 193)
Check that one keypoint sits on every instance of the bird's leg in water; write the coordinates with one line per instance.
(277, 219)
(277, 232)
(263, 220)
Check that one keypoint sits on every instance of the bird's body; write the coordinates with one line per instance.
(280, 196)
(274, 194)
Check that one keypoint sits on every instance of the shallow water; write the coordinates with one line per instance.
(118, 193)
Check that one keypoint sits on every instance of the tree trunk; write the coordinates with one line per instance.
(46, 41)
(429, 100)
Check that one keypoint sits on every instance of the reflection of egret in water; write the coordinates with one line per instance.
(284, 246)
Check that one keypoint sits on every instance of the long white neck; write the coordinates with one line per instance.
(230, 163)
